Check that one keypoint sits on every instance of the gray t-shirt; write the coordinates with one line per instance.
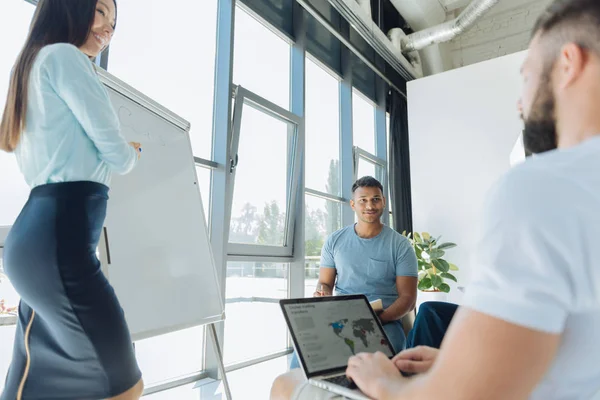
(369, 266)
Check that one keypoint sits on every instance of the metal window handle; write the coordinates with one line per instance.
(233, 163)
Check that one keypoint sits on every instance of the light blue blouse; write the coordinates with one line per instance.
(72, 132)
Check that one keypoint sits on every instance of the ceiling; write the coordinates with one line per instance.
(505, 29)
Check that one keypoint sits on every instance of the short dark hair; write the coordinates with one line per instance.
(576, 21)
(367, 181)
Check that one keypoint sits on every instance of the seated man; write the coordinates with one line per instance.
(372, 259)
(529, 324)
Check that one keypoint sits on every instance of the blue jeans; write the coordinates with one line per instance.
(431, 324)
(393, 330)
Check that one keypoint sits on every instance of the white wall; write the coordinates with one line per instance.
(463, 128)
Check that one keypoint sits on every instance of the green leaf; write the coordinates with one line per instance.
(426, 236)
(453, 267)
(423, 264)
(436, 281)
(418, 252)
(436, 253)
(425, 284)
(422, 246)
(442, 265)
(430, 272)
(444, 287)
(422, 274)
(418, 237)
(448, 276)
(445, 246)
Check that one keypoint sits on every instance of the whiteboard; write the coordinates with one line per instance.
(155, 249)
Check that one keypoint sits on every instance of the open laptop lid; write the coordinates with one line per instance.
(328, 330)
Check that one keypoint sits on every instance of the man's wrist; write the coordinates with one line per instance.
(384, 316)
(389, 390)
(326, 288)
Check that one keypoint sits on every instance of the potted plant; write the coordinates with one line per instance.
(434, 270)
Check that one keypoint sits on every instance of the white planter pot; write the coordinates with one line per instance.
(422, 297)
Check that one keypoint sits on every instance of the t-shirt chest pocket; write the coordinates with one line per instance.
(379, 270)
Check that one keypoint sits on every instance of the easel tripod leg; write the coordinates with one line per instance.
(213, 334)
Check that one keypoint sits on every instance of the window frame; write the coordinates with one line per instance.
(245, 98)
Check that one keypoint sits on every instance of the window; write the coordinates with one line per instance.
(363, 122)
(204, 177)
(254, 326)
(259, 209)
(170, 356)
(13, 189)
(265, 145)
(261, 61)
(366, 168)
(323, 217)
(323, 212)
(366, 164)
(264, 138)
(167, 52)
(322, 130)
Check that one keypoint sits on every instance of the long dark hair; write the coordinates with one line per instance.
(54, 21)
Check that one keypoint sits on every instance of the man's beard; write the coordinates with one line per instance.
(540, 134)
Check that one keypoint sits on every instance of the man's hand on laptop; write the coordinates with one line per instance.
(322, 290)
(375, 375)
(416, 360)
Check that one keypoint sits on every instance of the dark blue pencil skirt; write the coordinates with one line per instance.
(72, 341)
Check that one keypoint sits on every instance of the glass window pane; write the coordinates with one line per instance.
(204, 176)
(170, 356)
(366, 168)
(259, 207)
(363, 123)
(168, 53)
(322, 127)
(323, 217)
(261, 61)
(13, 189)
(258, 377)
(254, 327)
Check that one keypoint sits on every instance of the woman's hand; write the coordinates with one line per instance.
(138, 148)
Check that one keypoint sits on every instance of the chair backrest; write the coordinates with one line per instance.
(409, 320)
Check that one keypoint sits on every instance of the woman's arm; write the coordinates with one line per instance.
(74, 80)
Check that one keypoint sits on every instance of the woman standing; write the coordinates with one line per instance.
(72, 341)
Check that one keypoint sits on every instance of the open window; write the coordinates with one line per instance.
(265, 156)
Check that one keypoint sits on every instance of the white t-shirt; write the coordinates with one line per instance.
(538, 262)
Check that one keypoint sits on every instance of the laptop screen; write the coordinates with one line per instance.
(328, 331)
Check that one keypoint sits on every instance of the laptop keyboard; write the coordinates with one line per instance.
(342, 380)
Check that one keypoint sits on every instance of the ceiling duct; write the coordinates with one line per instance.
(447, 30)
(355, 14)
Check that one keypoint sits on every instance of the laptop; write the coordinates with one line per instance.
(327, 331)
